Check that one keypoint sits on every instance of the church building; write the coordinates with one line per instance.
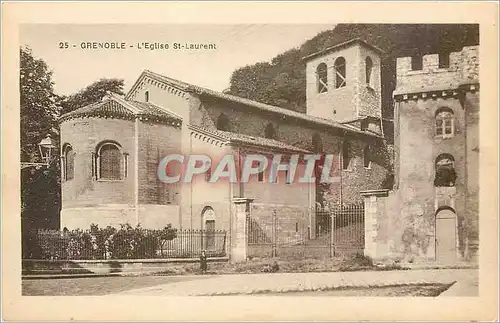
(111, 150)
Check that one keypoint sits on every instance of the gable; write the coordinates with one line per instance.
(164, 95)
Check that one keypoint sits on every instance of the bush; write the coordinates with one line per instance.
(98, 243)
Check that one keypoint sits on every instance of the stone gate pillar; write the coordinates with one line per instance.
(239, 239)
(372, 226)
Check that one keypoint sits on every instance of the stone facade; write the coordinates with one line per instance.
(359, 96)
(420, 142)
(161, 116)
(136, 197)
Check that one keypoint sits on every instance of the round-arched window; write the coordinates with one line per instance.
(368, 70)
(322, 78)
(340, 72)
(445, 171)
(69, 162)
(445, 125)
(110, 161)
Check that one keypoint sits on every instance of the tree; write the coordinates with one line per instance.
(91, 94)
(40, 191)
(38, 104)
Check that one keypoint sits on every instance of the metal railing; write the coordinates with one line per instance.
(337, 230)
(87, 245)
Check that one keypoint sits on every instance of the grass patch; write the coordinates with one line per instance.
(426, 290)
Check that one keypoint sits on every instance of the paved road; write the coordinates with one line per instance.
(283, 282)
(95, 285)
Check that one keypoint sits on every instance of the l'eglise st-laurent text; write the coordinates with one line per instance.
(194, 46)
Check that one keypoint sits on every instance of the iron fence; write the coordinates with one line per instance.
(288, 233)
(88, 245)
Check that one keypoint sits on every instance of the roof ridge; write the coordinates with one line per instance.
(237, 137)
(113, 96)
(249, 102)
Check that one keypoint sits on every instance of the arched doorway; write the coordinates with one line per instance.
(208, 225)
(446, 235)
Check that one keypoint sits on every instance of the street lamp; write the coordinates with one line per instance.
(45, 146)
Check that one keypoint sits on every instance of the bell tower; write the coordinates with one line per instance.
(343, 82)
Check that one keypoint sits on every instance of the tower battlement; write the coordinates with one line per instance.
(437, 72)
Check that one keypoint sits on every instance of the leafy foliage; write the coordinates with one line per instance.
(92, 94)
(38, 103)
(98, 243)
(40, 194)
(282, 82)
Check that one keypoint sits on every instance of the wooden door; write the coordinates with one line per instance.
(210, 234)
(446, 236)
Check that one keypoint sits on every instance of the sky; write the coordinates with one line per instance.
(75, 67)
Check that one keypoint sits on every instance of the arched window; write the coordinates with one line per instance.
(368, 70)
(367, 157)
(345, 155)
(270, 132)
(110, 161)
(223, 123)
(317, 143)
(340, 78)
(445, 125)
(322, 77)
(69, 162)
(146, 96)
(445, 171)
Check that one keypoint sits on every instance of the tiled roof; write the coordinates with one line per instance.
(239, 138)
(149, 109)
(113, 107)
(250, 103)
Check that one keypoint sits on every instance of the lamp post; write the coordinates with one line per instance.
(45, 147)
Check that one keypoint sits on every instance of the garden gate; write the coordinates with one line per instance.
(339, 230)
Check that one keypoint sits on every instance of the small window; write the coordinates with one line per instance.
(368, 70)
(146, 96)
(69, 163)
(345, 155)
(110, 161)
(317, 143)
(223, 123)
(364, 124)
(445, 126)
(270, 132)
(340, 75)
(367, 157)
(322, 78)
(444, 60)
(417, 62)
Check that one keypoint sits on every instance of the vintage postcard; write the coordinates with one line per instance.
(249, 161)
